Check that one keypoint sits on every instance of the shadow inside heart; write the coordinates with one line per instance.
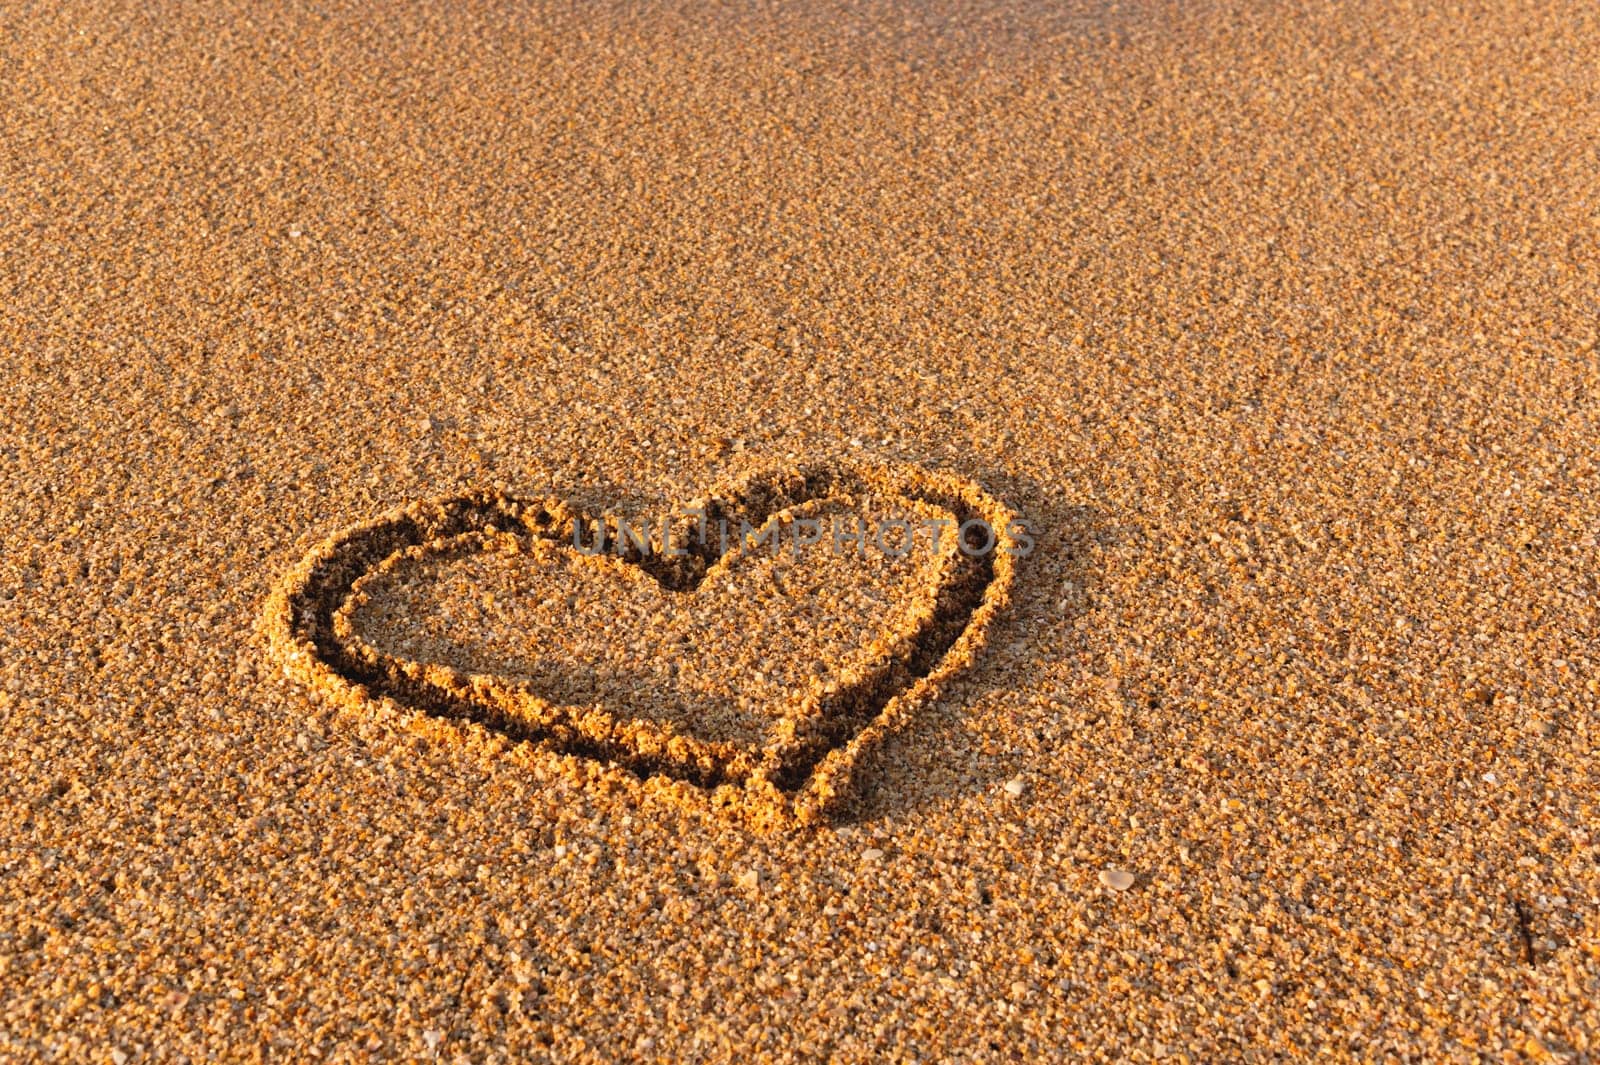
(727, 669)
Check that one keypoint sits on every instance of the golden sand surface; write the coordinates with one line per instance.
(1275, 323)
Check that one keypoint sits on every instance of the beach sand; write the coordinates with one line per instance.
(1276, 324)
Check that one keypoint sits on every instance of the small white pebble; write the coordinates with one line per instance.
(432, 1038)
(119, 1056)
(1117, 879)
(294, 232)
(1015, 787)
(871, 854)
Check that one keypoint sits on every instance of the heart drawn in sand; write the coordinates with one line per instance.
(751, 646)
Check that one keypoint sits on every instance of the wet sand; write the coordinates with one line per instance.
(1277, 327)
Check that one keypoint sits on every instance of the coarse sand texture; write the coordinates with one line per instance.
(377, 684)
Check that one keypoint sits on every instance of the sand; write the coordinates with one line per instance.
(1277, 326)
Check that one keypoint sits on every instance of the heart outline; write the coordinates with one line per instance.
(804, 775)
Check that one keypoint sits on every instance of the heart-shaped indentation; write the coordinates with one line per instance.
(753, 645)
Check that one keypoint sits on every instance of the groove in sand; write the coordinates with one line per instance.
(805, 770)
